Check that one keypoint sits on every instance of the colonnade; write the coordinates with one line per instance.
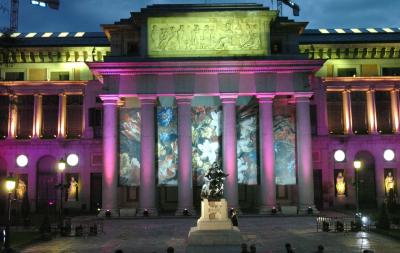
(147, 190)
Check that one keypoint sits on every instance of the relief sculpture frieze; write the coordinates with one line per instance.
(208, 34)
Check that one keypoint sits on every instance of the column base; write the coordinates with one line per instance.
(307, 209)
(267, 210)
(190, 211)
(108, 213)
(144, 212)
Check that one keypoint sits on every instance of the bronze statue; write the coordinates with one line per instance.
(213, 189)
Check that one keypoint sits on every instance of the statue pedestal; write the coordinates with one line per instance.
(214, 231)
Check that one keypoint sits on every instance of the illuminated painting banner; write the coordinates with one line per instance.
(196, 34)
(247, 150)
(167, 146)
(206, 139)
(284, 143)
(129, 138)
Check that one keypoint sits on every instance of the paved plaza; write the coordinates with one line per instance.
(269, 234)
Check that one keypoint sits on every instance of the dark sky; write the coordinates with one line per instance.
(87, 15)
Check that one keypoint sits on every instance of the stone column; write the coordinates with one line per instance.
(304, 153)
(37, 116)
(229, 162)
(62, 115)
(371, 112)
(110, 155)
(267, 155)
(13, 114)
(147, 191)
(348, 129)
(185, 186)
(394, 103)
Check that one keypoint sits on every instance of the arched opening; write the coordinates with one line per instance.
(46, 183)
(3, 194)
(366, 180)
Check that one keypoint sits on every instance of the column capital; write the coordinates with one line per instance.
(228, 98)
(184, 99)
(110, 99)
(303, 96)
(265, 98)
(148, 99)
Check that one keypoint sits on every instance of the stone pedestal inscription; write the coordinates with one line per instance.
(214, 215)
(228, 33)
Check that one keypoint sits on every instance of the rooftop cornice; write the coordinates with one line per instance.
(244, 66)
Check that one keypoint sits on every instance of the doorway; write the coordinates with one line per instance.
(318, 193)
(96, 185)
(366, 181)
(46, 196)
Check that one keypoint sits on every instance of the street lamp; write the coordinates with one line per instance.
(357, 166)
(10, 187)
(62, 164)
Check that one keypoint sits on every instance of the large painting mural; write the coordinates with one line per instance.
(167, 146)
(206, 139)
(129, 138)
(285, 143)
(247, 150)
(229, 33)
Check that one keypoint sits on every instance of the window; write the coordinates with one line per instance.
(59, 76)
(359, 112)
(74, 116)
(390, 71)
(25, 116)
(132, 48)
(96, 122)
(343, 72)
(4, 114)
(15, 76)
(383, 112)
(335, 112)
(49, 116)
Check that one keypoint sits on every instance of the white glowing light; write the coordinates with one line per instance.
(46, 35)
(22, 160)
(323, 31)
(73, 159)
(355, 30)
(339, 155)
(63, 34)
(388, 155)
(339, 30)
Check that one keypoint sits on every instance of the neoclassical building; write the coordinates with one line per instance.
(150, 104)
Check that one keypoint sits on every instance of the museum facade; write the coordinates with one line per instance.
(141, 111)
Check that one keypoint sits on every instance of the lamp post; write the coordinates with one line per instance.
(62, 164)
(10, 187)
(357, 166)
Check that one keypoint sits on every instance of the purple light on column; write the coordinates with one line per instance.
(229, 149)
(267, 171)
(304, 161)
(110, 173)
(185, 189)
(147, 170)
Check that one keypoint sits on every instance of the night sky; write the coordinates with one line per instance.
(87, 15)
